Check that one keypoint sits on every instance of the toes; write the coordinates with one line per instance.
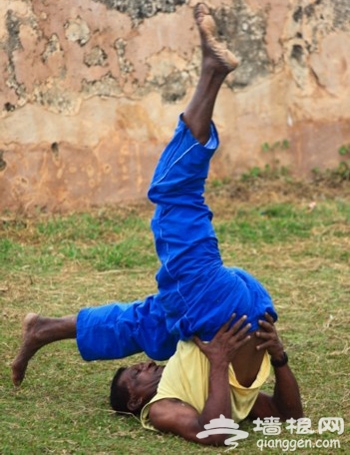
(201, 8)
(16, 382)
(200, 11)
(17, 377)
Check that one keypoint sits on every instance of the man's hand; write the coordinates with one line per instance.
(183, 419)
(226, 342)
(285, 402)
(270, 339)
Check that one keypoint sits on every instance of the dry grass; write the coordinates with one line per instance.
(56, 265)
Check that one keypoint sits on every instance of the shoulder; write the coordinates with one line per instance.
(180, 418)
(166, 407)
(170, 414)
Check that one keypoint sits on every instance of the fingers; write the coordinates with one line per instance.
(241, 333)
(265, 345)
(268, 335)
(265, 336)
(226, 326)
(269, 318)
(237, 334)
(267, 326)
(234, 329)
(243, 342)
(198, 342)
(226, 331)
(237, 325)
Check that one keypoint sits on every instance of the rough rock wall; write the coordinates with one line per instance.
(90, 91)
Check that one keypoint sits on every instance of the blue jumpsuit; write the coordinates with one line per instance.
(197, 294)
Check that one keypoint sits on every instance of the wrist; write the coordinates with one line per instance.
(217, 362)
(280, 360)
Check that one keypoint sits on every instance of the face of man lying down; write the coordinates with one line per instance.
(141, 380)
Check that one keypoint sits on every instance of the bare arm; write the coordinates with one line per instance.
(285, 402)
(182, 419)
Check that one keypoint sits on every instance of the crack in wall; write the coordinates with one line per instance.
(106, 86)
(12, 44)
(53, 46)
(138, 10)
(3, 163)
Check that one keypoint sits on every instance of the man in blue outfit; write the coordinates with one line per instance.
(197, 294)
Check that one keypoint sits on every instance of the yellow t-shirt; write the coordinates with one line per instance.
(186, 377)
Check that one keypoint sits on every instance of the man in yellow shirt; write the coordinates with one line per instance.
(203, 381)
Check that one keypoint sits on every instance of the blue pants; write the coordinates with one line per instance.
(197, 294)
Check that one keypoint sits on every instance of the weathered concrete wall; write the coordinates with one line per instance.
(90, 91)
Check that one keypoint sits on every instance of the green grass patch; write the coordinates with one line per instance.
(56, 265)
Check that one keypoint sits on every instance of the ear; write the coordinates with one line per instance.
(134, 402)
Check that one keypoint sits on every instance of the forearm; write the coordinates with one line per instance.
(181, 419)
(286, 395)
(184, 420)
(218, 401)
(285, 402)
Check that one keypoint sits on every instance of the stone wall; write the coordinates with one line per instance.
(90, 91)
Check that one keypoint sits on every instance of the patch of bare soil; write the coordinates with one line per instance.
(263, 192)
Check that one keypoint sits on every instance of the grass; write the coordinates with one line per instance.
(55, 264)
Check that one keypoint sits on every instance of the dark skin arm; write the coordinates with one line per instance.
(180, 418)
(174, 416)
(285, 402)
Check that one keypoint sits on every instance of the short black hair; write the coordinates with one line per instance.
(119, 394)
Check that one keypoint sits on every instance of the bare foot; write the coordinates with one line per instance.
(30, 345)
(215, 54)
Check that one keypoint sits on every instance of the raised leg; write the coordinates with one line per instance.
(185, 240)
(217, 63)
(37, 332)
